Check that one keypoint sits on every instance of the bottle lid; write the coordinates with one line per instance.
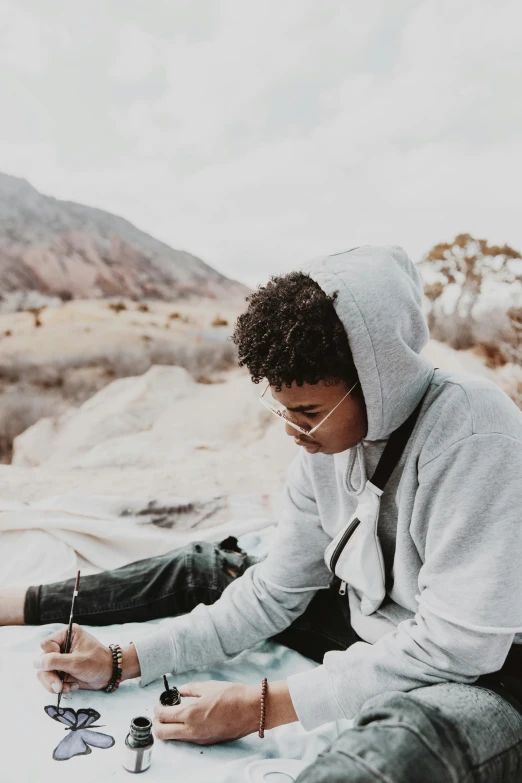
(170, 696)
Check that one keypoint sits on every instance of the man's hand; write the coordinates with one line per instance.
(221, 711)
(88, 665)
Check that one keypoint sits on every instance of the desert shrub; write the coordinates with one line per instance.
(143, 308)
(199, 358)
(117, 307)
(487, 331)
(36, 312)
(126, 363)
(46, 376)
(218, 321)
(80, 383)
(175, 316)
(452, 329)
(505, 345)
(11, 373)
(492, 354)
(509, 379)
(492, 326)
(18, 411)
(204, 379)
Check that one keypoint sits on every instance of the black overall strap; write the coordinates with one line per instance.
(395, 447)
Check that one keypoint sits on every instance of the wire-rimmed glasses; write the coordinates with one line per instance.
(282, 413)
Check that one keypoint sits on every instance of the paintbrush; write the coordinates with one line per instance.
(67, 646)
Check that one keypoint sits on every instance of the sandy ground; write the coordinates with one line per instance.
(93, 328)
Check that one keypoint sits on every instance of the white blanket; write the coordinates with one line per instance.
(48, 540)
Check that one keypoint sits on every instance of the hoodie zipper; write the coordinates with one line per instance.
(342, 543)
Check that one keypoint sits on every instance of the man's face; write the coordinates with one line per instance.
(311, 403)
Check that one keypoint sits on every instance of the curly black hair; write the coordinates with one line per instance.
(290, 333)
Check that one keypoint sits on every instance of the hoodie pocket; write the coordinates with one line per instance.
(355, 555)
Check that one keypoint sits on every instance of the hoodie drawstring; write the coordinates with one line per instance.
(356, 454)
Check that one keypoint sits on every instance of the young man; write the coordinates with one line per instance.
(429, 672)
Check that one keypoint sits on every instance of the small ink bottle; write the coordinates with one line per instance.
(170, 696)
(138, 745)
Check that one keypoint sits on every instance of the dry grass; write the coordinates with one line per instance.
(199, 358)
(203, 358)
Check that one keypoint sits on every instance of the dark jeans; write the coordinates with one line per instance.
(174, 584)
(444, 733)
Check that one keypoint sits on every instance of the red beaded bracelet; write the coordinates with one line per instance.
(117, 668)
(262, 718)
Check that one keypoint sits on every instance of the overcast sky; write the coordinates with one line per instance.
(259, 134)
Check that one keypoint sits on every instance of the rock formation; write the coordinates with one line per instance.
(67, 250)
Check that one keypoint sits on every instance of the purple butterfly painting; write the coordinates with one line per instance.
(79, 723)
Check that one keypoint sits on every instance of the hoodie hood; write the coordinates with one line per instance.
(379, 302)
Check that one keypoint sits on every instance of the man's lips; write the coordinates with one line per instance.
(307, 444)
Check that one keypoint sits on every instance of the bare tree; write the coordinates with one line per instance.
(468, 264)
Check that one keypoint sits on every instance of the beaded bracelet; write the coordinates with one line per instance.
(117, 663)
(262, 717)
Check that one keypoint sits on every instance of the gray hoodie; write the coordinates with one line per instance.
(450, 521)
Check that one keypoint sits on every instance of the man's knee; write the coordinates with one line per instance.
(200, 565)
(394, 739)
(213, 566)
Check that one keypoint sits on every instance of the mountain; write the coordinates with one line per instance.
(62, 249)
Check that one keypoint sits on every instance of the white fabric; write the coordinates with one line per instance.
(29, 736)
(48, 540)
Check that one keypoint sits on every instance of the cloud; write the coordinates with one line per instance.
(257, 135)
(138, 54)
(27, 40)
